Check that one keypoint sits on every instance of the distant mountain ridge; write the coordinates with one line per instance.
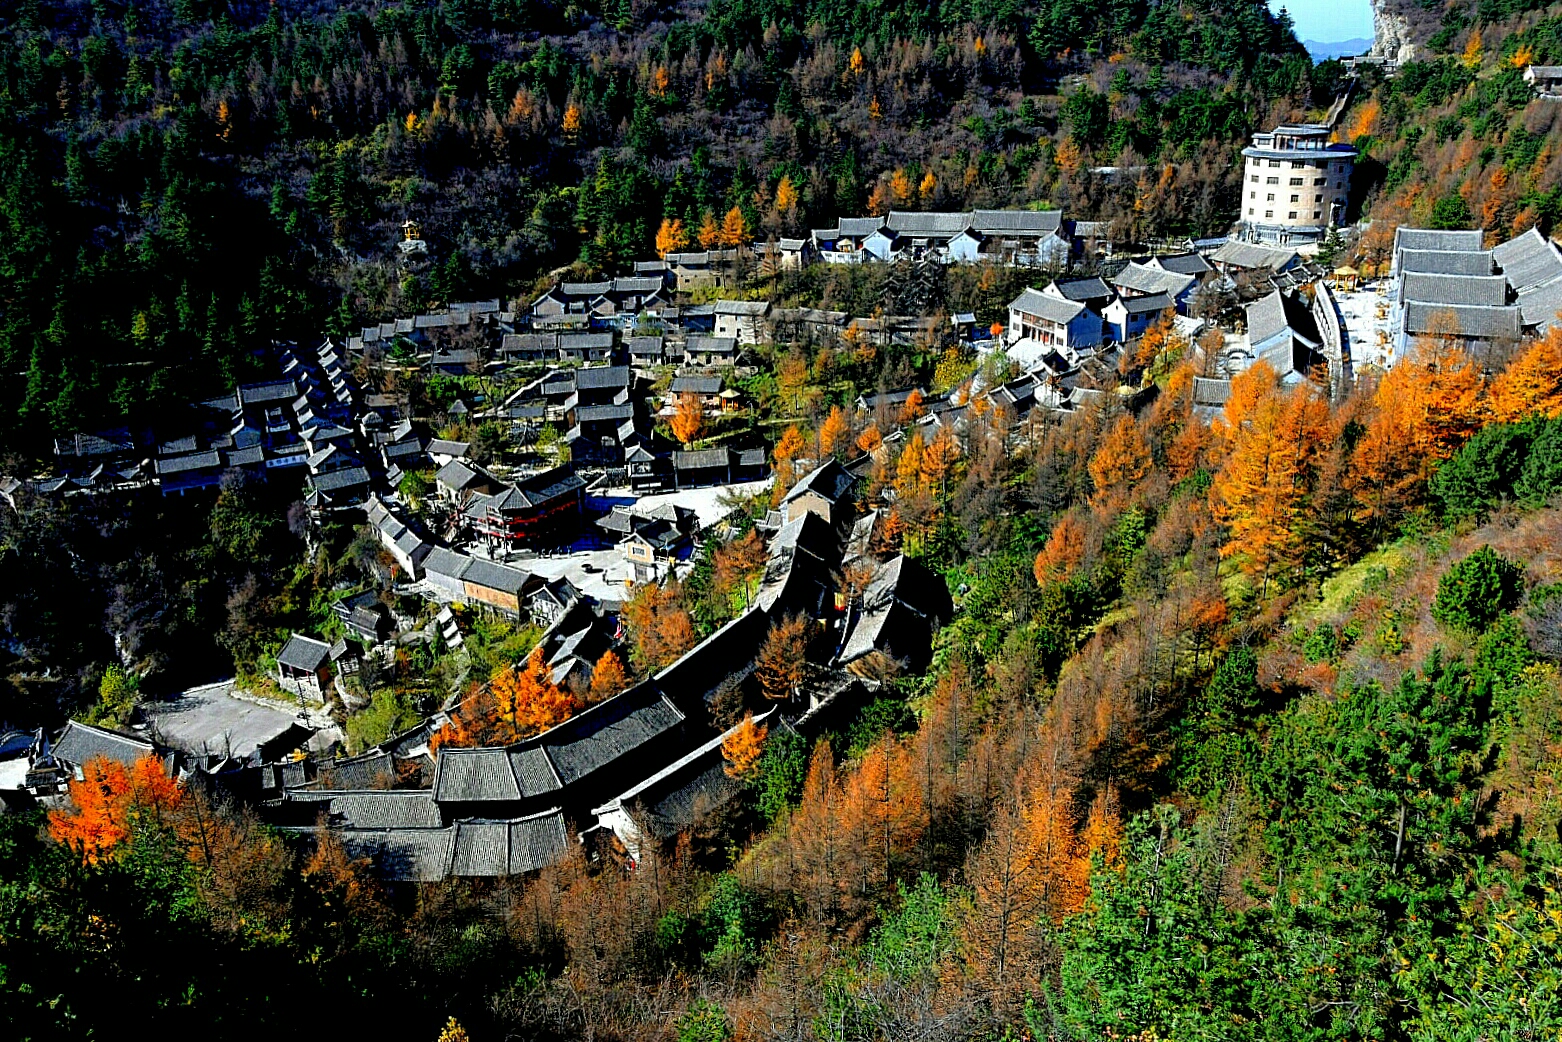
(1343, 48)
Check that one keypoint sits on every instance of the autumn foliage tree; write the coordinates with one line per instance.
(1063, 551)
(1532, 383)
(688, 418)
(1261, 493)
(739, 563)
(835, 432)
(671, 237)
(743, 747)
(661, 628)
(783, 657)
(1422, 411)
(607, 676)
(110, 802)
(1119, 464)
(734, 229)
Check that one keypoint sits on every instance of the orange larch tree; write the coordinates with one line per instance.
(786, 196)
(1532, 383)
(1119, 464)
(607, 676)
(710, 232)
(782, 662)
(743, 747)
(671, 237)
(110, 802)
(908, 468)
(527, 701)
(791, 444)
(1261, 493)
(688, 420)
(835, 432)
(1422, 410)
(739, 562)
(734, 229)
(1063, 551)
(913, 408)
(660, 626)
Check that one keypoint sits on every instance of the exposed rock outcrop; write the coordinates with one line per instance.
(1391, 33)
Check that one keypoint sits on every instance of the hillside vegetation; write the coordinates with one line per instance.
(181, 182)
(1243, 729)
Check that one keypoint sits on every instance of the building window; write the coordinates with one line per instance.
(1273, 181)
(1319, 182)
(1269, 213)
(1250, 211)
(1298, 164)
(1255, 179)
(1317, 198)
(1317, 214)
(1270, 197)
(1274, 162)
(1291, 216)
(1252, 195)
(1296, 182)
(1295, 199)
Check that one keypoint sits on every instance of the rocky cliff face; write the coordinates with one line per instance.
(1391, 32)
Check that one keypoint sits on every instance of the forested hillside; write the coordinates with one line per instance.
(184, 181)
(1457, 139)
(1248, 721)
(1243, 729)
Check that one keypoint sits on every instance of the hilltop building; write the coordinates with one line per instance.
(1296, 184)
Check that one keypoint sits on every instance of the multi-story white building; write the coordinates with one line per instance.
(1295, 184)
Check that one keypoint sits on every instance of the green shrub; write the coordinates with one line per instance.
(1475, 591)
(1486, 471)
(704, 1022)
(782, 769)
(1541, 478)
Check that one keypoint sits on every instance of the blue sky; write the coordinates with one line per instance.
(1329, 21)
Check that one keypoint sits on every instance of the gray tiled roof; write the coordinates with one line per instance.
(829, 479)
(1043, 305)
(1487, 290)
(1082, 289)
(1478, 322)
(194, 461)
(696, 385)
(1436, 239)
(610, 376)
(446, 562)
(700, 459)
(306, 653)
(375, 809)
(475, 776)
(1252, 255)
(1528, 260)
(1016, 222)
(1539, 306)
(403, 855)
(80, 742)
(608, 731)
(493, 576)
(1142, 305)
(1447, 262)
(1184, 263)
(1142, 278)
(934, 225)
(714, 345)
(752, 308)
